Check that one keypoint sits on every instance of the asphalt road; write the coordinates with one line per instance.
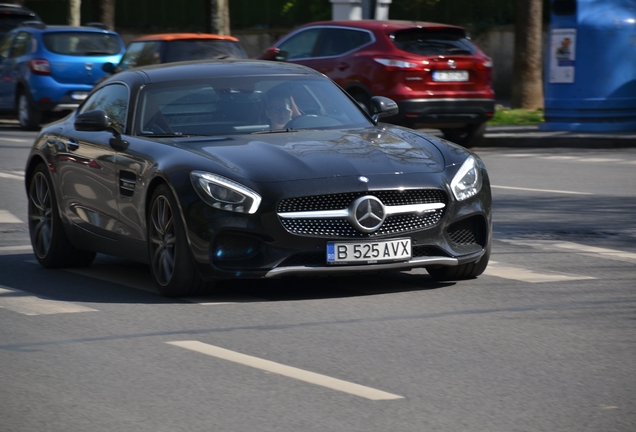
(545, 340)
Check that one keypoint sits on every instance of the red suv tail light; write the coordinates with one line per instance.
(399, 65)
(484, 65)
(40, 66)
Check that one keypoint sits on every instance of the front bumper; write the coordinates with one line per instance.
(251, 246)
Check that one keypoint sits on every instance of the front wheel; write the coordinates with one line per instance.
(467, 136)
(50, 244)
(461, 272)
(28, 115)
(171, 260)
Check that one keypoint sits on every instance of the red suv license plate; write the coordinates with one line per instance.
(450, 76)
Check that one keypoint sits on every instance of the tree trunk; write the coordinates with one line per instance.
(218, 17)
(74, 12)
(105, 12)
(527, 79)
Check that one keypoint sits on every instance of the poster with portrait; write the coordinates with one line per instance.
(562, 55)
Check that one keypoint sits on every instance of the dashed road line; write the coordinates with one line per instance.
(288, 371)
(11, 176)
(541, 190)
(7, 250)
(571, 158)
(8, 217)
(555, 245)
(29, 304)
(526, 275)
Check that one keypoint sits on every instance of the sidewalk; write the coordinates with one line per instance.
(532, 137)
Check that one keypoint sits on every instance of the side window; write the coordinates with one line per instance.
(140, 54)
(21, 44)
(336, 41)
(5, 46)
(114, 100)
(300, 45)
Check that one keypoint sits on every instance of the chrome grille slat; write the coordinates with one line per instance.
(339, 227)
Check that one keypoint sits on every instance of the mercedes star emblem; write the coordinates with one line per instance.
(367, 213)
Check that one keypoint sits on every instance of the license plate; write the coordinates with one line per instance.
(450, 76)
(369, 252)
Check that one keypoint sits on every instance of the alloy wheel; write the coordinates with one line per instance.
(40, 214)
(162, 238)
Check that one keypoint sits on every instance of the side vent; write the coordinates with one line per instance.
(127, 181)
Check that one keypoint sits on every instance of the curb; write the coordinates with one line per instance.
(532, 137)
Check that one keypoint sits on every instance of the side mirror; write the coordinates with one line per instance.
(92, 121)
(384, 107)
(98, 121)
(275, 54)
(109, 68)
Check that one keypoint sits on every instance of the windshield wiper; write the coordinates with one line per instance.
(169, 135)
(274, 131)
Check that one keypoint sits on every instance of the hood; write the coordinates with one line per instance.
(306, 155)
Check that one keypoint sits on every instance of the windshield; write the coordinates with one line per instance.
(184, 50)
(245, 104)
(433, 42)
(82, 44)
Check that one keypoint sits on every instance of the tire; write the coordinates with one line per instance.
(461, 272)
(171, 261)
(468, 136)
(29, 117)
(50, 244)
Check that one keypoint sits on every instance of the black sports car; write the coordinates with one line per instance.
(248, 169)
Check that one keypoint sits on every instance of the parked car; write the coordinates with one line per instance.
(176, 47)
(437, 76)
(45, 69)
(12, 15)
(176, 165)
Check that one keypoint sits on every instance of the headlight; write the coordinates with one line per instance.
(467, 181)
(225, 194)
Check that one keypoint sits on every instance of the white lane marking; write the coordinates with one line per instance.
(8, 217)
(523, 155)
(525, 275)
(594, 160)
(555, 245)
(288, 371)
(28, 304)
(11, 176)
(560, 157)
(16, 248)
(18, 140)
(541, 190)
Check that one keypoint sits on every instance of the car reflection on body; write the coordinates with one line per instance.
(177, 166)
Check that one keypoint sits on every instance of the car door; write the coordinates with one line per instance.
(334, 54)
(299, 47)
(87, 166)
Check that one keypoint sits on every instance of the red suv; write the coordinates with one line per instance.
(437, 76)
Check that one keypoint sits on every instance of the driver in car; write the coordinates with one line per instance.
(279, 112)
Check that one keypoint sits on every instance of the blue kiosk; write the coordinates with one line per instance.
(590, 75)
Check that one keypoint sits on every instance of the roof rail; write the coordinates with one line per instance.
(97, 25)
(35, 24)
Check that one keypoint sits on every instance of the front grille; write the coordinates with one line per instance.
(342, 228)
(342, 201)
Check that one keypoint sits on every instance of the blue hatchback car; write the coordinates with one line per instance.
(45, 69)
